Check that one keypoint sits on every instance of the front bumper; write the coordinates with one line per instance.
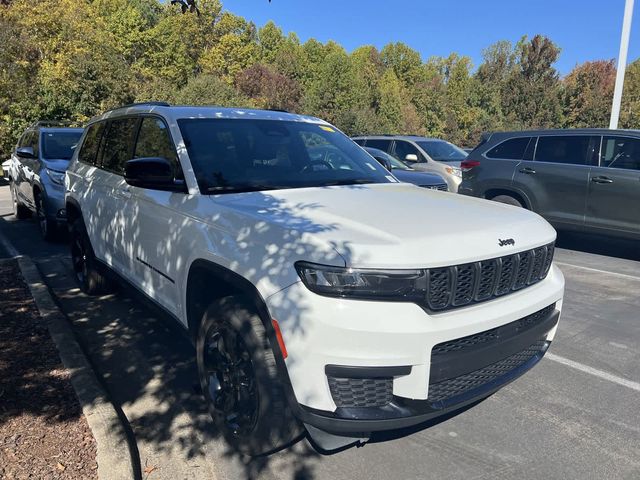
(322, 332)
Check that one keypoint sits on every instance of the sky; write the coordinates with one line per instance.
(583, 29)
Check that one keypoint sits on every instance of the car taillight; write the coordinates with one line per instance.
(467, 165)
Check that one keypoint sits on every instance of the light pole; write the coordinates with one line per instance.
(622, 64)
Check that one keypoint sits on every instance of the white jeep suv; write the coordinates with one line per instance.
(321, 293)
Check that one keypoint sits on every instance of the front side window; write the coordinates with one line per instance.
(442, 151)
(89, 149)
(620, 152)
(118, 144)
(235, 155)
(512, 149)
(154, 140)
(379, 143)
(570, 149)
(60, 145)
(403, 149)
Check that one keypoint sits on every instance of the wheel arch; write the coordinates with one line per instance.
(520, 196)
(207, 281)
(73, 210)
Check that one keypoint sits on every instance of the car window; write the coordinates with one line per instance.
(359, 141)
(380, 144)
(60, 145)
(154, 140)
(620, 152)
(234, 155)
(118, 144)
(512, 149)
(31, 140)
(402, 149)
(89, 149)
(442, 151)
(570, 149)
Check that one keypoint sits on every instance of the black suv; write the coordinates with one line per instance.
(581, 180)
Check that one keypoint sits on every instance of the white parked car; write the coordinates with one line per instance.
(335, 300)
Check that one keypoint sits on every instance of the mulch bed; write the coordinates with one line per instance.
(43, 433)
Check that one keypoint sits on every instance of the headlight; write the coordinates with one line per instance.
(55, 176)
(399, 285)
(454, 171)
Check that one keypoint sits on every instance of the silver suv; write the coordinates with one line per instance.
(36, 173)
(579, 180)
(421, 153)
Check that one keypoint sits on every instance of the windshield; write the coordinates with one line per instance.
(393, 161)
(442, 151)
(59, 145)
(235, 155)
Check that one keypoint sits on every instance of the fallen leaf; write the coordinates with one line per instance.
(148, 469)
(60, 466)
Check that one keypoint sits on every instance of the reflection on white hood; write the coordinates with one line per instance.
(395, 225)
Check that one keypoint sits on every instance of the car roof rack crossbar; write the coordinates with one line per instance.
(52, 123)
(144, 104)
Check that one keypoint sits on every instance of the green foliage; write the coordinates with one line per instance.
(72, 59)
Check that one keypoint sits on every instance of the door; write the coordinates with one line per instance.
(614, 188)
(110, 227)
(556, 181)
(496, 171)
(158, 244)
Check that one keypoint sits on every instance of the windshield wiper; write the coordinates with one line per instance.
(241, 188)
(353, 181)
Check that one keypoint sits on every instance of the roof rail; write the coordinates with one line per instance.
(53, 123)
(142, 104)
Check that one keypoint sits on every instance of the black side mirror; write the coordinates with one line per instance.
(25, 152)
(384, 162)
(155, 173)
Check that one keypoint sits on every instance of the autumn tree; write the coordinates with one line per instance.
(588, 90)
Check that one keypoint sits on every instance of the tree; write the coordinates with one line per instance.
(532, 95)
(630, 109)
(269, 88)
(588, 90)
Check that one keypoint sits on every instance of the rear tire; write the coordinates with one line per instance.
(239, 379)
(48, 227)
(90, 279)
(19, 211)
(509, 200)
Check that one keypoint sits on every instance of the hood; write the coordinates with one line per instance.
(418, 178)
(57, 165)
(393, 225)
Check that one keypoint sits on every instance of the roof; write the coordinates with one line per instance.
(414, 138)
(186, 111)
(564, 131)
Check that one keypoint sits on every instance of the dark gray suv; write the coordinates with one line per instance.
(581, 180)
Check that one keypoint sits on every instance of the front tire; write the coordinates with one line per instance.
(19, 211)
(48, 227)
(239, 380)
(509, 200)
(90, 279)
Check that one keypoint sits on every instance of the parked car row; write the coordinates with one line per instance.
(322, 294)
(579, 180)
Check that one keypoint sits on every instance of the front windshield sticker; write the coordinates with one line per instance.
(327, 129)
(391, 179)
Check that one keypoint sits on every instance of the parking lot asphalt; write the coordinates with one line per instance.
(574, 416)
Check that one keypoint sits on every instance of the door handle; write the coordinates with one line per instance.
(527, 170)
(601, 180)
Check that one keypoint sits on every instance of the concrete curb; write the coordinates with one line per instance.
(114, 456)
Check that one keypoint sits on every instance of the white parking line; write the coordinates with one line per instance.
(606, 272)
(594, 371)
(11, 250)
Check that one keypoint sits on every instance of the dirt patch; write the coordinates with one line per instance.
(43, 433)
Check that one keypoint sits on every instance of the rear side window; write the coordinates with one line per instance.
(118, 144)
(380, 144)
(621, 152)
(89, 150)
(154, 140)
(569, 149)
(512, 149)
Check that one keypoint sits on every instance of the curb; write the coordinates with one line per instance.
(102, 417)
